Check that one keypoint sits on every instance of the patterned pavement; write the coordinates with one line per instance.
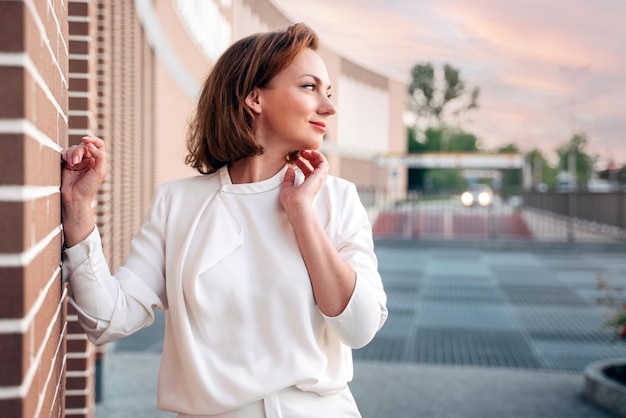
(530, 308)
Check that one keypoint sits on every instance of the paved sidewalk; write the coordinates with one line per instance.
(385, 390)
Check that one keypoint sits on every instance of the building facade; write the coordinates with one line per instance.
(128, 72)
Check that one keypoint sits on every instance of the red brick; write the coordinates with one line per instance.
(79, 66)
(77, 383)
(12, 407)
(12, 225)
(51, 365)
(79, 47)
(79, 103)
(12, 347)
(43, 166)
(23, 285)
(74, 327)
(11, 283)
(79, 28)
(77, 346)
(76, 401)
(12, 92)
(12, 26)
(79, 364)
(79, 84)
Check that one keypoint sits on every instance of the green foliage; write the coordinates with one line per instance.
(428, 98)
(443, 138)
(613, 299)
(583, 161)
(437, 140)
(454, 86)
(445, 180)
(511, 179)
(430, 94)
(422, 88)
(541, 169)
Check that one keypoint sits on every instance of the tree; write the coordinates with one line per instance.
(439, 139)
(430, 99)
(445, 181)
(443, 138)
(583, 161)
(511, 181)
(542, 171)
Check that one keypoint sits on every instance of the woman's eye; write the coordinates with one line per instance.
(329, 95)
(310, 87)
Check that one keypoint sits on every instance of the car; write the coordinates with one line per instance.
(477, 195)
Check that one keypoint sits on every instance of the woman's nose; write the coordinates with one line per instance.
(328, 107)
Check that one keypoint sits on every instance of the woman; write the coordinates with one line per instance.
(264, 264)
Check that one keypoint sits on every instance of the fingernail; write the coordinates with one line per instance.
(75, 160)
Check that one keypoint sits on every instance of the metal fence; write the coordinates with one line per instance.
(601, 208)
(558, 217)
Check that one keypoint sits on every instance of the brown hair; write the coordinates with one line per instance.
(222, 130)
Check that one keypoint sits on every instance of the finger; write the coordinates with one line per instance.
(316, 158)
(99, 143)
(67, 155)
(76, 153)
(94, 150)
(99, 157)
(289, 178)
(304, 166)
(79, 154)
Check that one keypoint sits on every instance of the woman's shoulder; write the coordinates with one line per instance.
(338, 191)
(338, 184)
(199, 186)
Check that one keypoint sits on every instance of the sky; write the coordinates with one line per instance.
(546, 69)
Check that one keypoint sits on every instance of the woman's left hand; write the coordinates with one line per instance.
(297, 199)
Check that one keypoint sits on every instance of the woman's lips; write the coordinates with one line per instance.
(319, 125)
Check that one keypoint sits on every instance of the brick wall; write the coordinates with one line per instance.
(33, 128)
(111, 96)
(67, 69)
(130, 118)
(81, 354)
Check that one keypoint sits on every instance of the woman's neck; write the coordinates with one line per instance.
(255, 169)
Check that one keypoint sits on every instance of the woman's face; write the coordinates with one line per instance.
(292, 111)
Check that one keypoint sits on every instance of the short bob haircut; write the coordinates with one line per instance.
(222, 130)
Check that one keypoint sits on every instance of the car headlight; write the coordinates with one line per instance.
(467, 199)
(484, 199)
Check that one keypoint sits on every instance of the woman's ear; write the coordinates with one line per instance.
(253, 101)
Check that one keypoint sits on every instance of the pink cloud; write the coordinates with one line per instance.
(529, 58)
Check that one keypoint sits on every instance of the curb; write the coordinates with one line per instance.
(604, 391)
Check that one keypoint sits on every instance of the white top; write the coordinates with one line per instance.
(222, 260)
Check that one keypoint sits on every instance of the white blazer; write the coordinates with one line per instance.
(234, 334)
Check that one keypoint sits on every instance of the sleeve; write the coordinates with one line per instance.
(109, 306)
(366, 311)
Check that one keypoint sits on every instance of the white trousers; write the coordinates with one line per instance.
(294, 403)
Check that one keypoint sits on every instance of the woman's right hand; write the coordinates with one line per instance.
(84, 168)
